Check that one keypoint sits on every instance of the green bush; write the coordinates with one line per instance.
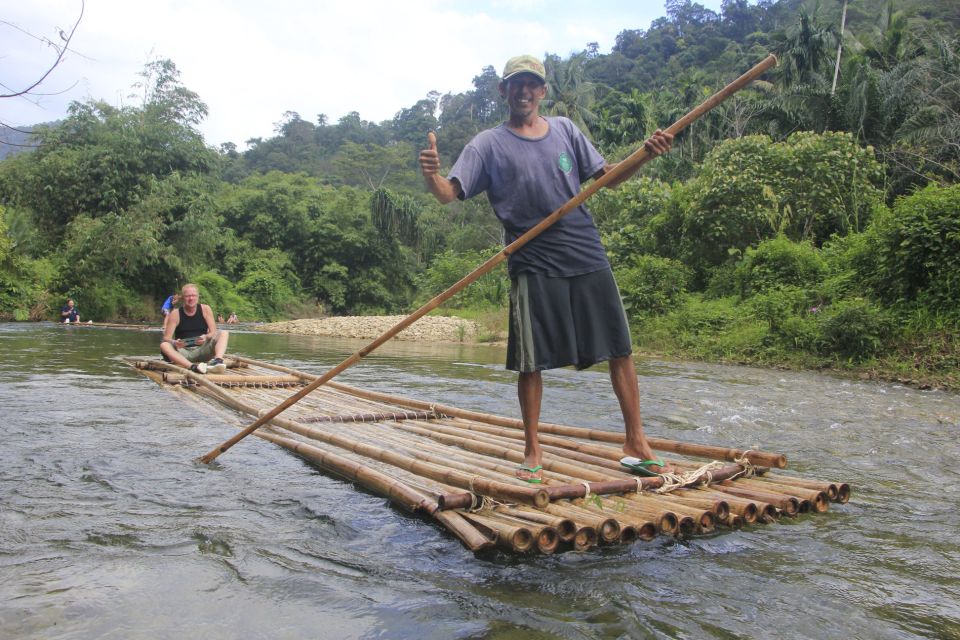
(651, 284)
(722, 281)
(809, 187)
(448, 267)
(775, 306)
(779, 262)
(635, 218)
(800, 332)
(919, 252)
(854, 329)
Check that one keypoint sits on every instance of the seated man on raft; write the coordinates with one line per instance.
(69, 313)
(190, 335)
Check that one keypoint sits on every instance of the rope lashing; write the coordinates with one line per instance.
(749, 470)
(586, 489)
(701, 475)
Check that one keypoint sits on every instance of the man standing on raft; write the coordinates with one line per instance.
(191, 337)
(565, 308)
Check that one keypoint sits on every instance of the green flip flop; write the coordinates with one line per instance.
(641, 467)
(531, 470)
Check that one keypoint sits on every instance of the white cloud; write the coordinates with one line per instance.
(251, 61)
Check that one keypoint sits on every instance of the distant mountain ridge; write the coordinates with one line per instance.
(14, 141)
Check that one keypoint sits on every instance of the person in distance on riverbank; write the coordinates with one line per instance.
(69, 313)
(190, 335)
(565, 308)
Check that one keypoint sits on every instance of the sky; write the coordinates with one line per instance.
(251, 61)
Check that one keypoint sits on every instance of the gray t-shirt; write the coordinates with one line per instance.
(528, 179)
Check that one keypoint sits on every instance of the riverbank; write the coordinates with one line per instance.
(907, 369)
(428, 328)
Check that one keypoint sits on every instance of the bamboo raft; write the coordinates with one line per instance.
(457, 466)
(111, 325)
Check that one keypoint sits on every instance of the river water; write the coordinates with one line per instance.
(109, 528)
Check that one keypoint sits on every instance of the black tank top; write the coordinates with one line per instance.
(190, 326)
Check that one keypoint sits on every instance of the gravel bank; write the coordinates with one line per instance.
(433, 328)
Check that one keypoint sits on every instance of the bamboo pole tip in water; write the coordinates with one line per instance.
(566, 529)
(541, 498)
(647, 531)
(609, 530)
(547, 540)
(820, 502)
(521, 540)
(669, 523)
(628, 534)
(585, 539)
(843, 493)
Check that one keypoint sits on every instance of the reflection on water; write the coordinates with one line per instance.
(109, 528)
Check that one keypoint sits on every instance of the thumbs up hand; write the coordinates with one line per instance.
(430, 157)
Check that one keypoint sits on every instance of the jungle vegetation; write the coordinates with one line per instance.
(812, 220)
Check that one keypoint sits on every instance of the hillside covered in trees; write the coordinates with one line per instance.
(813, 219)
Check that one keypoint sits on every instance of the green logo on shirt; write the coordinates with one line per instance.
(565, 162)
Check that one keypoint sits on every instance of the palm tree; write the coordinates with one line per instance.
(570, 94)
(805, 48)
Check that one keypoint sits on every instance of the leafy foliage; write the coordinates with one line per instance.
(449, 267)
(809, 187)
(854, 329)
(919, 249)
(651, 284)
(779, 262)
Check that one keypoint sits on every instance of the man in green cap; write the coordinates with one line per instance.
(565, 308)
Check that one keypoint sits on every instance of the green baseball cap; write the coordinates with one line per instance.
(524, 64)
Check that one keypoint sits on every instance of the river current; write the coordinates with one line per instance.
(110, 528)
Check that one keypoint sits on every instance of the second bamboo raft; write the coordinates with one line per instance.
(457, 466)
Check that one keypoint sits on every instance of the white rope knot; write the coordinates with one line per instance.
(672, 481)
(586, 489)
(749, 470)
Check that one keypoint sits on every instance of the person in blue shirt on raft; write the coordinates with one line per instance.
(168, 305)
(565, 308)
(69, 313)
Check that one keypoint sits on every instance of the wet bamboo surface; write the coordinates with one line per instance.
(457, 467)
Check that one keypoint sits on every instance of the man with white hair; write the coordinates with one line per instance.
(190, 335)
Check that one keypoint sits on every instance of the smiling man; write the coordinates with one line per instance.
(565, 309)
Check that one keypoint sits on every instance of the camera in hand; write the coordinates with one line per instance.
(190, 342)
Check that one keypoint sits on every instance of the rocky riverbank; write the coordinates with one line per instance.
(431, 328)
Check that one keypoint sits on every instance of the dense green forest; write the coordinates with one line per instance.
(811, 220)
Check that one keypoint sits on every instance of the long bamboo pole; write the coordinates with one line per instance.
(621, 170)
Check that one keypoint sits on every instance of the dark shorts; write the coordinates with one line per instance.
(560, 322)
